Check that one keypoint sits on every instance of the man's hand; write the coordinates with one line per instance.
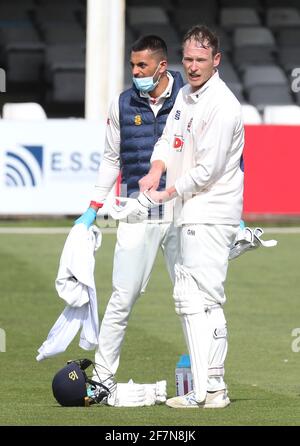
(87, 218)
(152, 179)
(149, 181)
(163, 196)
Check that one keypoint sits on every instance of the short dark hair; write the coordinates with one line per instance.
(205, 36)
(153, 43)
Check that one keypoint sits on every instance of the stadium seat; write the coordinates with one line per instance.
(282, 17)
(11, 14)
(264, 75)
(254, 4)
(185, 18)
(166, 4)
(54, 13)
(252, 55)
(207, 9)
(23, 52)
(225, 40)
(284, 114)
(262, 95)
(288, 37)
(281, 3)
(250, 114)
(24, 62)
(60, 32)
(288, 57)
(234, 17)
(28, 111)
(59, 3)
(20, 4)
(253, 36)
(229, 75)
(68, 83)
(253, 46)
(57, 10)
(204, 4)
(57, 55)
(166, 32)
(146, 14)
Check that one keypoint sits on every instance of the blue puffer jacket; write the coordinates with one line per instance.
(139, 131)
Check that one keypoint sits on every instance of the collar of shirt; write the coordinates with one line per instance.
(165, 94)
(195, 95)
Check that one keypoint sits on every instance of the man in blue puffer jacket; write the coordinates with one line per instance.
(135, 123)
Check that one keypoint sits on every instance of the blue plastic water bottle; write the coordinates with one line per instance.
(183, 376)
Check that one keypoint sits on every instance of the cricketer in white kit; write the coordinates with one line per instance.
(201, 150)
(130, 137)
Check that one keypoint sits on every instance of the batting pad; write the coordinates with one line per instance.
(249, 239)
(187, 297)
(132, 394)
(217, 350)
(189, 305)
(198, 335)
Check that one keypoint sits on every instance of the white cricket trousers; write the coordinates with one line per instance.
(135, 252)
(199, 295)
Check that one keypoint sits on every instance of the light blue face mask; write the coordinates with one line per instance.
(146, 84)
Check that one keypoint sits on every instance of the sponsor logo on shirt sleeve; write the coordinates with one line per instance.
(178, 143)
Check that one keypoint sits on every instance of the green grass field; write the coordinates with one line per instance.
(262, 371)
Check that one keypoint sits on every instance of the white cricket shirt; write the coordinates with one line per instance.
(201, 147)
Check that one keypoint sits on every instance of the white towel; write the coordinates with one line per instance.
(75, 285)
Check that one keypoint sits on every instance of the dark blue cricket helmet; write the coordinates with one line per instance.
(71, 385)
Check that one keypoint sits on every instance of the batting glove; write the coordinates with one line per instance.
(145, 202)
(132, 209)
(248, 239)
(132, 394)
(141, 211)
(87, 218)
